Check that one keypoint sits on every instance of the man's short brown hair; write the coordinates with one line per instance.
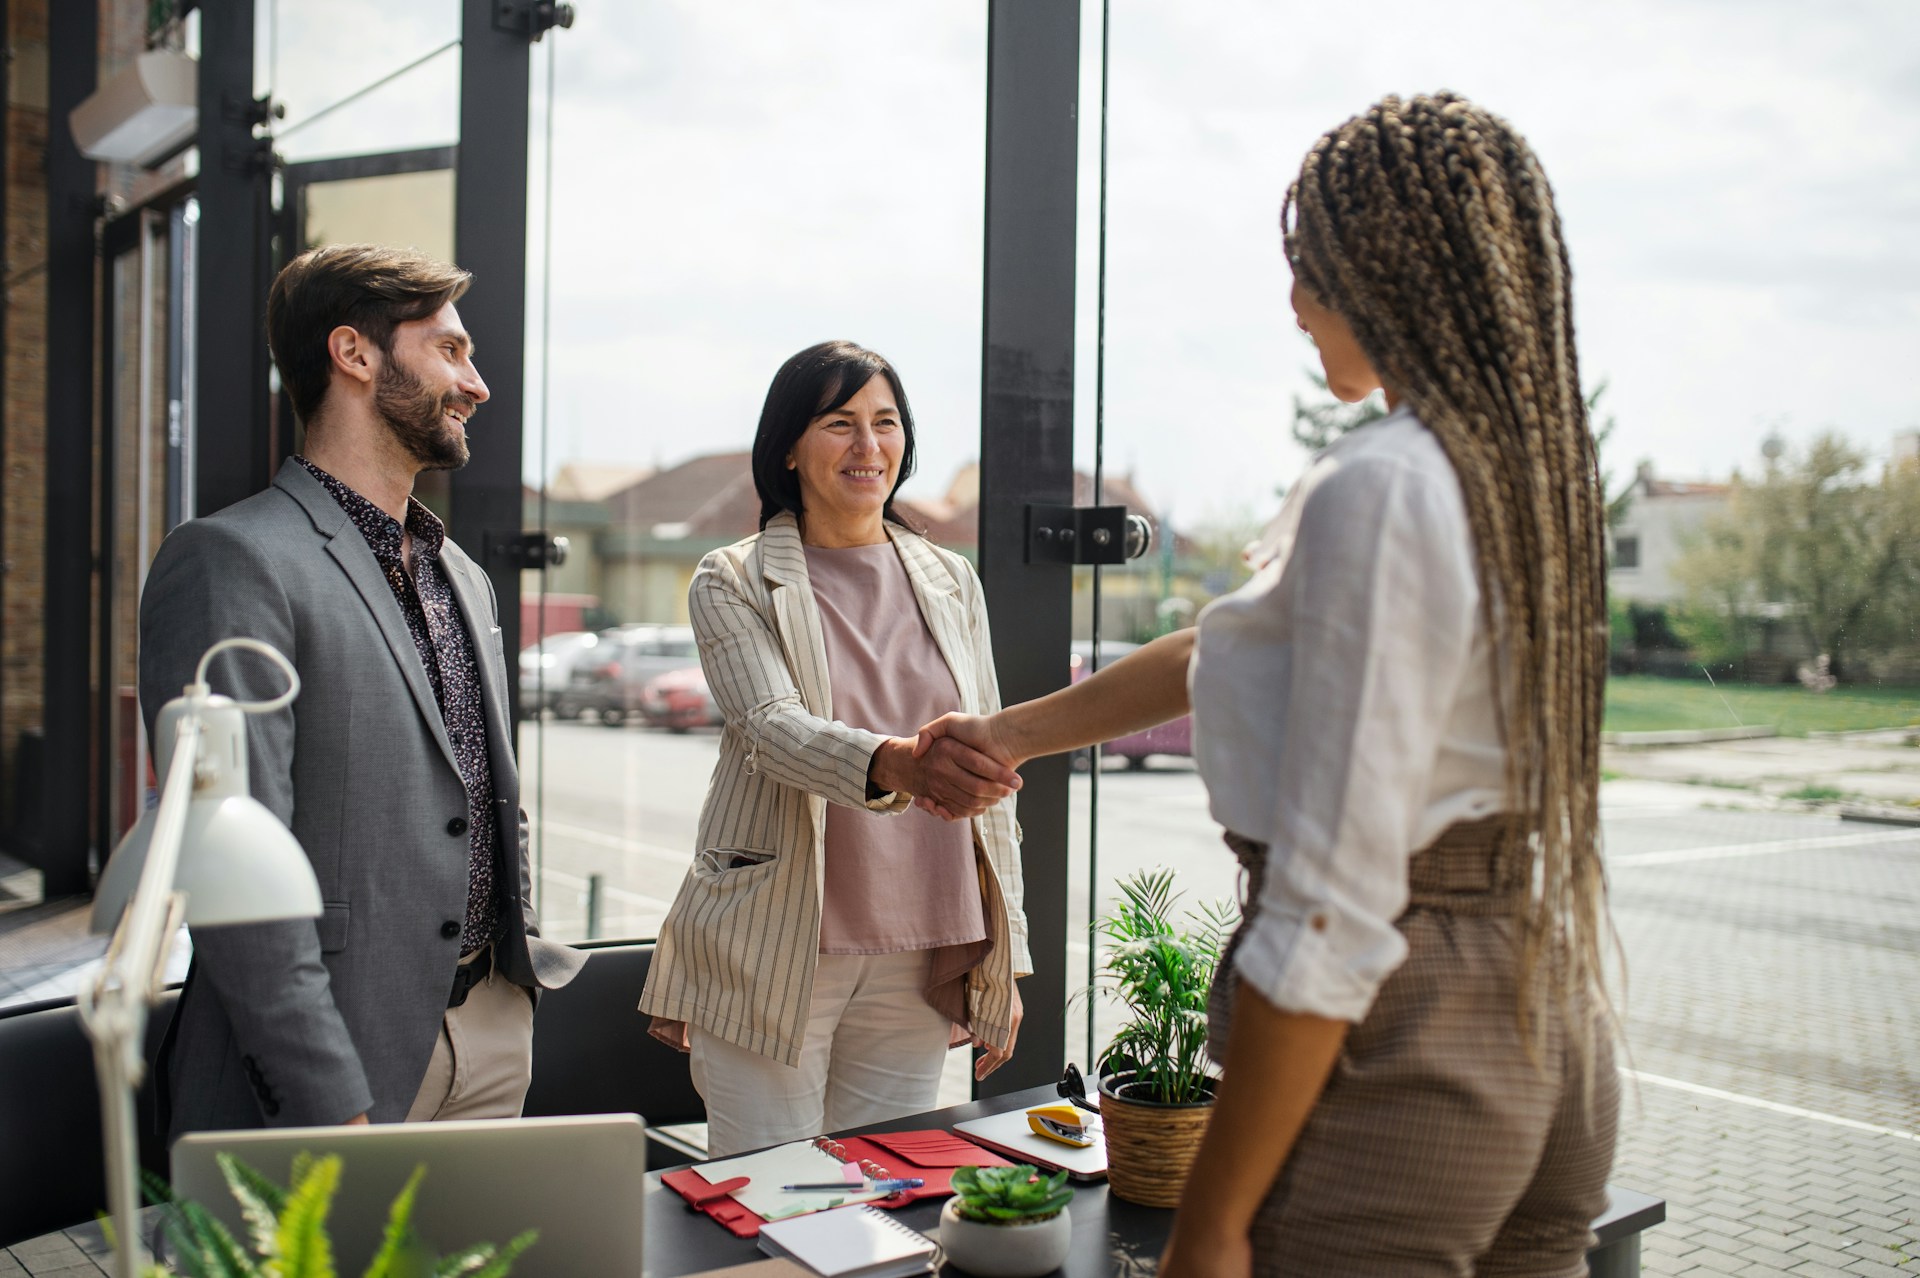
(367, 287)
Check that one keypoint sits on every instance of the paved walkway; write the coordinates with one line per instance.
(1773, 1014)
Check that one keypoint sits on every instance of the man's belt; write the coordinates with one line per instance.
(468, 975)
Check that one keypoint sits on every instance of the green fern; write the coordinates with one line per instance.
(399, 1254)
(288, 1230)
(301, 1246)
(483, 1261)
(261, 1202)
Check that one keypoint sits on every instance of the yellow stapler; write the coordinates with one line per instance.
(1063, 1123)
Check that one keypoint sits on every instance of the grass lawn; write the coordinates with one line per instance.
(1641, 703)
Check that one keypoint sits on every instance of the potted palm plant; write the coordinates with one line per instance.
(1155, 1092)
(1007, 1222)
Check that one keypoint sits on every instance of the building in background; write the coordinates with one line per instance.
(636, 537)
(1661, 519)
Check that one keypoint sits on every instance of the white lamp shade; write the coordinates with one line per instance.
(238, 864)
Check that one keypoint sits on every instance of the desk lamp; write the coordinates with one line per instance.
(208, 854)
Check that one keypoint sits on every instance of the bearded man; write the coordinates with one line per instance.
(412, 995)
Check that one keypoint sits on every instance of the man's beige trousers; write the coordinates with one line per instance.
(483, 1060)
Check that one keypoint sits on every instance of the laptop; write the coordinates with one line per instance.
(578, 1180)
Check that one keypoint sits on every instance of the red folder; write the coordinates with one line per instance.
(928, 1155)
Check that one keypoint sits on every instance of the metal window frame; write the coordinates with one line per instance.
(1026, 450)
(237, 450)
(158, 218)
(490, 239)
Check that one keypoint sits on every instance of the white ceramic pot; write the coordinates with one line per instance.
(1005, 1251)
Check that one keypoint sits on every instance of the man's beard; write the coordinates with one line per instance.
(417, 418)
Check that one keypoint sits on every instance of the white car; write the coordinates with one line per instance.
(547, 667)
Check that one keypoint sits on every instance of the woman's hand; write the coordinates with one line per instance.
(984, 732)
(953, 779)
(978, 735)
(996, 1057)
(671, 1032)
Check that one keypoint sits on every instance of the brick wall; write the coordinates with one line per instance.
(24, 505)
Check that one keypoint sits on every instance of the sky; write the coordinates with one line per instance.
(1739, 184)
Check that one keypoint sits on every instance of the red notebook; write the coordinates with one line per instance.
(927, 1155)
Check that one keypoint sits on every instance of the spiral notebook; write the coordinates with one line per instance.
(801, 1162)
(850, 1242)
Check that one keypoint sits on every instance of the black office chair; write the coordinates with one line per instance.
(592, 1053)
(52, 1173)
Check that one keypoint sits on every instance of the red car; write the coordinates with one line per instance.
(679, 700)
(1175, 738)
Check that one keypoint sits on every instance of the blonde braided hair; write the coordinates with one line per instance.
(1429, 226)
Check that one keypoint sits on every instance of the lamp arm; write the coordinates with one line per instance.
(113, 1008)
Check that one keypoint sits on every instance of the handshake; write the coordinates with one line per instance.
(957, 767)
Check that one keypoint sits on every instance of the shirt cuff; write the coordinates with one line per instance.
(1318, 963)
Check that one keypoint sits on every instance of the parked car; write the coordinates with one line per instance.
(626, 659)
(679, 700)
(547, 666)
(1175, 738)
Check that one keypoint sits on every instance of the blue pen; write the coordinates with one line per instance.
(893, 1186)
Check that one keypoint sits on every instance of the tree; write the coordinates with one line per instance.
(1318, 424)
(1820, 541)
(1602, 428)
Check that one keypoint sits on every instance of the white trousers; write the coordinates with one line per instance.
(873, 1051)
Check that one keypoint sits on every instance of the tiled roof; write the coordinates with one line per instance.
(709, 496)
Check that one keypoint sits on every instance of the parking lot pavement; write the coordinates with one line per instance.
(1772, 1017)
(1772, 1025)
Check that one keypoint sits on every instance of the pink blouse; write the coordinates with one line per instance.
(893, 882)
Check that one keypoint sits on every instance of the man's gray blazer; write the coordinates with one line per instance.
(314, 1021)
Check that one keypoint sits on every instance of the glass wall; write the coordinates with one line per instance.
(1740, 290)
(722, 189)
(726, 189)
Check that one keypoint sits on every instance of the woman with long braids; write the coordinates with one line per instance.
(1398, 720)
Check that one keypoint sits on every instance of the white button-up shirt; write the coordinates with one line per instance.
(1344, 710)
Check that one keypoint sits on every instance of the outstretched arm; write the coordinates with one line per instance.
(1136, 692)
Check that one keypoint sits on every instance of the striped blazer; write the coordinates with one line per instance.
(737, 952)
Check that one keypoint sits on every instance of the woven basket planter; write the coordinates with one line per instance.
(1150, 1146)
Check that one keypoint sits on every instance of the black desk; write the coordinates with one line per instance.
(1110, 1237)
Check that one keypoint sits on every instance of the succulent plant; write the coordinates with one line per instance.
(1009, 1195)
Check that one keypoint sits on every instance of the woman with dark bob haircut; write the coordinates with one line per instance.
(831, 941)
